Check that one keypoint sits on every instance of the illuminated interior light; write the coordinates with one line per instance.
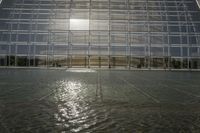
(79, 24)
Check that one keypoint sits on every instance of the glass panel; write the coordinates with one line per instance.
(99, 50)
(59, 61)
(195, 63)
(194, 52)
(137, 62)
(40, 61)
(192, 40)
(99, 25)
(99, 61)
(79, 50)
(22, 49)
(99, 38)
(119, 15)
(158, 28)
(59, 37)
(157, 63)
(174, 40)
(137, 51)
(175, 51)
(157, 51)
(185, 63)
(118, 50)
(78, 38)
(23, 37)
(60, 49)
(4, 49)
(22, 61)
(138, 15)
(25, 26)
(42, 38)
(119, 25)
(118, 61)
(79, 14)
(175, 63)
(60, 24)
(138, 39)
(118, 39)
(41, 49)
(12, 49)
(99, 14)
(4, 60)
(134, 27)
(12, 60)
(97, 4)
(80, 61)
(156, 40)
(185, 51)
(4, 37)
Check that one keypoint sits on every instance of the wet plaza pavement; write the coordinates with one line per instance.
(99, 101)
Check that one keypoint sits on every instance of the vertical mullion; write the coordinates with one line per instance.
(149, 36)
(128, 36)
(69, 56)
(10, 37)
(89, 47)
(109, 34)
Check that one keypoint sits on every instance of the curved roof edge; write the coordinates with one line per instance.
(198, 3)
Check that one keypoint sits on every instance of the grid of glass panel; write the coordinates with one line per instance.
(100, 33)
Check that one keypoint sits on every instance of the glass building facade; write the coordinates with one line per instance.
(141, 34)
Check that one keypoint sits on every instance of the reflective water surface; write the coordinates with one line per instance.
(94, 101)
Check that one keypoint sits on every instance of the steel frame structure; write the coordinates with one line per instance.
(142, 34)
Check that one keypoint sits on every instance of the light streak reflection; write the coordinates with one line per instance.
(71, 105)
